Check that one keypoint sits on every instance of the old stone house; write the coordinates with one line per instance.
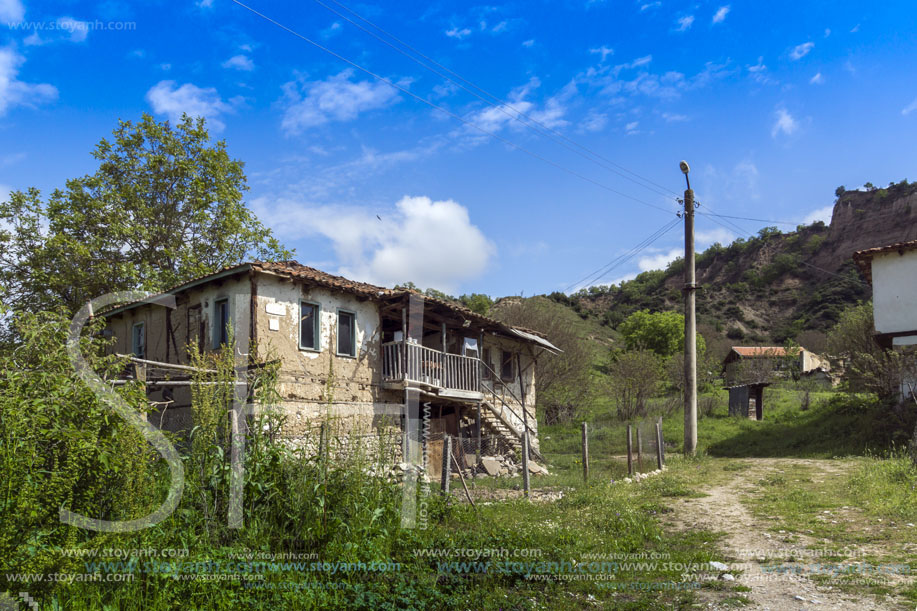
(350, 352)
(748, 370)
(760, 363)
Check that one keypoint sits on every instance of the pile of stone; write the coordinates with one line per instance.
(504, 466)
(638, 477)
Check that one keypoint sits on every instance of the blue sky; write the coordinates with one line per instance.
(773, 104)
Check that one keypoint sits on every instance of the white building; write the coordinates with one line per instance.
(892, 271)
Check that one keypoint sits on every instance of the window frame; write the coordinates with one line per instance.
(216, 330)
(353, 335)
(486, 358)
(316, 324)
(134, 344)
(512, 365)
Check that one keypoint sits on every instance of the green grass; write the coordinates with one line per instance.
(836, 424)
(859, 512)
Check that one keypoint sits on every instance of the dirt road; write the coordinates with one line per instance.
(754, 551)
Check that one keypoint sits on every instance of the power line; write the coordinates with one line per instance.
(745, 218)
(626, 256)
(448, 112)
(500, 104)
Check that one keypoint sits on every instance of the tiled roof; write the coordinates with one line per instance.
(294, 269)
(863, 258)
(751, 351)
(297, 270)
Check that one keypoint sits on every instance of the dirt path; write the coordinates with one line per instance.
(751, 547)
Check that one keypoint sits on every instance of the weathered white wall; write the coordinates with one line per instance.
(894, 284)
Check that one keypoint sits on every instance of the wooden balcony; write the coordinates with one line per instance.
(447, 375)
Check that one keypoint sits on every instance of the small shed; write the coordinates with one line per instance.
(747, 400)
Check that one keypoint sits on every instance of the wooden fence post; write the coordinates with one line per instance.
(658, 446)
(630, 452)
(661, 441)
(447, 464)
(639, 450)
(525, 463)
(585, 453)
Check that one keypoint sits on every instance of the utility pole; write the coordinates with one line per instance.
(690, 321)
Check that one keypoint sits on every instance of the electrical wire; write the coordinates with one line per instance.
(604, 270)
(498, 103)
(450, 113)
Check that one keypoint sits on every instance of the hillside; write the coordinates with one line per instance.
(774, 286)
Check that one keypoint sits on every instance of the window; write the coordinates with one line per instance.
(507, 369)
(220, 323)
(488, 364)
(347, 333)
(138, 340)
(309, 326)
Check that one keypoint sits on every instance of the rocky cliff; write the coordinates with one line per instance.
(775, 286)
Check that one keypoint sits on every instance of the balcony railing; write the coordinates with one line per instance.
(415, 363)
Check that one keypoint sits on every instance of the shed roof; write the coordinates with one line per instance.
(863, 258)
(756, 351)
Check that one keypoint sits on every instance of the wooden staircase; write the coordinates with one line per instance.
(499, 427)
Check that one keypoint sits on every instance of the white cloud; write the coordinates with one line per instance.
(78, 30)
(14, 92)
(827, 32)
(800, 51)
(640, 61)
(66, 29)
(631, 128)
(430, 243)
(673, 117)
(5, 192)
(11, 11)
(594, 122)
(822, 214)
(528, 43)
(685, 23)
(337, 98)
(785, 123)
(659, 260)
(331, 30)
(705, 238)
(239, 62)
(855, 29)
(720, 14)
(649, 5)
(909, 108)
(493, 119)
(603, 51)
(457, 33)
(818, 79)
(168, 99)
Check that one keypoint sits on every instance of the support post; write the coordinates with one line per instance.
(690, 325)
(639, 450)
(447, 464)
(585, 452)
(659, 463)
(525, 464)
(630, 452)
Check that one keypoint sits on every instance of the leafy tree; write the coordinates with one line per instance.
(660, 332)
(477, 302)
(868, 366)
(565, 380)
(165, 205)
(840, 191)
(633, 379)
